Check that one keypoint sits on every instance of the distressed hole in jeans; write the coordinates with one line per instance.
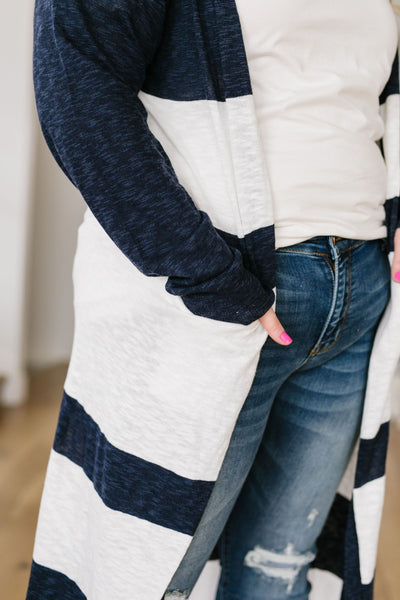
(284, 565)
(312, 516)
(175, 594)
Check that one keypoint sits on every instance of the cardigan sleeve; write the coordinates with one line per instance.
(392, 207)
(89, 63)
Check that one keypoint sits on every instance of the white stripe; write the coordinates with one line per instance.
(368, 505)
(325, 585)
(216, 153)
(162, 383)
(346, 485)
(390, 112)
(383, 361)
(207, 583)
(76, 528)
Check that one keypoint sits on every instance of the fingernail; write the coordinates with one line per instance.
(285, 337)
(397, 276)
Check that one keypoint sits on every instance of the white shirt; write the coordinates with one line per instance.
(317, 68)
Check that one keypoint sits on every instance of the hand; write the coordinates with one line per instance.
(274, 328)
(396, 257)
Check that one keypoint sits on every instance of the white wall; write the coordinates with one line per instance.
(16, 176)
(58, 210)
(39, 214)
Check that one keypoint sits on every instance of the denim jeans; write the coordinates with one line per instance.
(298, 426)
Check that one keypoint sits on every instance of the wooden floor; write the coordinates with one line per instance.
(26, 436)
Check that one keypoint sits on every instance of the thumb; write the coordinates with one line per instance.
(274, 328)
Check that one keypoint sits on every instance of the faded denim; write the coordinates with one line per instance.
(298, 426)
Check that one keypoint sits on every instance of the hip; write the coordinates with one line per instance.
(330, 291)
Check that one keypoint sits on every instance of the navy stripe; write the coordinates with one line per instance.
(260, 245)
(353, 589)
(234, 71)
(257, 252)
(372, 457)
(47, 584)
(330, 543)
(392, 84)
(392, 219)
(255, 247)
(126, 482)
(201, 55)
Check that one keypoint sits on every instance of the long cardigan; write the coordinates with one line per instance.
(147, 107)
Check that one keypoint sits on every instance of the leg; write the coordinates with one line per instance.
(305, 285)
(269, 540)
(275, 365)
(240, 455)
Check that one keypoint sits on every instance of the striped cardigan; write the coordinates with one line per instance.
(147, 108)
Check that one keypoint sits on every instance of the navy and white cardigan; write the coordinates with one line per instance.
(147, 107)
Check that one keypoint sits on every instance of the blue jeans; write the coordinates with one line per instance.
(298, 426)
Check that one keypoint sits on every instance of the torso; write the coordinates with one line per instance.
(317, 69)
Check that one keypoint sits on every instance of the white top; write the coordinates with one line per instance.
(317, 68)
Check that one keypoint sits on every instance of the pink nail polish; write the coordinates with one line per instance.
(285, 337)
(397, 276)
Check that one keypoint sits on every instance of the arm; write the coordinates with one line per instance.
(89, 62)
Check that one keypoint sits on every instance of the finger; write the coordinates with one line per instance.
(395, 271)
(274, 328)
